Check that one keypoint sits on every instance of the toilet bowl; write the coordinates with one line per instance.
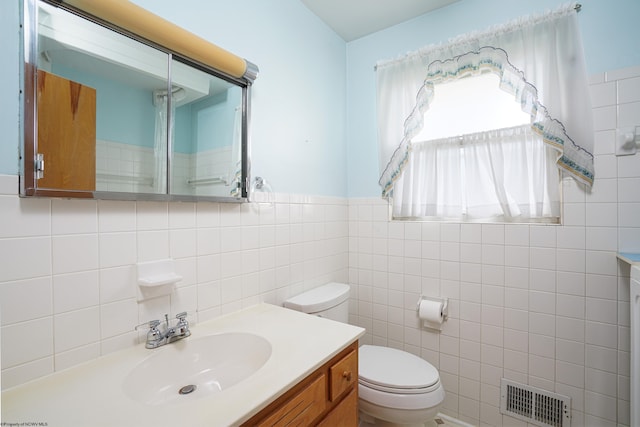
(395, 388)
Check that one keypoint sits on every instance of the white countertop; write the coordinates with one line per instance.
(629, 257)
(91, 394)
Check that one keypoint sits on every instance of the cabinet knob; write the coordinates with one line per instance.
(346, 375)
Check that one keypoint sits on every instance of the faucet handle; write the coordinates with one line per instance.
(182, 327)
(154, 336)
(152, 324)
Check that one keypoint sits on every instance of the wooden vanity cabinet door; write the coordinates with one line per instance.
(343, 375)
(345, 414)
(302, 409)
(328, 397)
(66, 133)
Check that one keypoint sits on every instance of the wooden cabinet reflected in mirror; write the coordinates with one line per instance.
(66, 133)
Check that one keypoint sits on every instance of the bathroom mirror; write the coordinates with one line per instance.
(110, 115)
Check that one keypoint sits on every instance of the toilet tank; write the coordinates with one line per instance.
(330, 301)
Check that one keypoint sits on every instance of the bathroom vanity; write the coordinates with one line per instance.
(310, 377)
(327, 397)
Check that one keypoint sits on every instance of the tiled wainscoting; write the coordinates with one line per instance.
(541, 305)
(68, 276)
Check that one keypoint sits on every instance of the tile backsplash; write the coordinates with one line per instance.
(68, 282)
(542, 305)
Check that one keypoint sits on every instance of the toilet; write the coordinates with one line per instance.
(395, 388)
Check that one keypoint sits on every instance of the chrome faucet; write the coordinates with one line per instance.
(159, 336)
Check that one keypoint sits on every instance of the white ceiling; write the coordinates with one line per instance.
(353, 19)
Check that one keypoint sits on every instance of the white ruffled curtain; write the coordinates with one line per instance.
(539, 60)
(496, 175)
(161, 102)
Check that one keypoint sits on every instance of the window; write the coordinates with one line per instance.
(469, 105)
(477, 159)
(479, 130)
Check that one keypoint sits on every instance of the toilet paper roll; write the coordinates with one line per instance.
(431, 312)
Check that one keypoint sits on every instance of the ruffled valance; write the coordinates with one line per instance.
(539, 62)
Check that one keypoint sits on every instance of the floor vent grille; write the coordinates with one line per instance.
(534, 405)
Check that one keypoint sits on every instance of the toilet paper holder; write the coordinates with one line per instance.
(444, 301)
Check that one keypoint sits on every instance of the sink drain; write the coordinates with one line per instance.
(187, 389)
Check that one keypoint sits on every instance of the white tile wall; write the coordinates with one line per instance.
(67, 276)
(542, 305)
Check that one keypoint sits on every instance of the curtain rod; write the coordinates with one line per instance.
(564, 9)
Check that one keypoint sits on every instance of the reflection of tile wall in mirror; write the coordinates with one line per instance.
(123, 167)
(202, 174)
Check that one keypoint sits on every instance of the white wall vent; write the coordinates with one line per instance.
(534, 405)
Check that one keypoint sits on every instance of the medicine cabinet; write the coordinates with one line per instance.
(121, 104)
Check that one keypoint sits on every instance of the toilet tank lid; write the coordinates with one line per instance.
(318, 299)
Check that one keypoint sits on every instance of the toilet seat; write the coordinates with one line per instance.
(394, 378)
(397, 390)
(392, 370)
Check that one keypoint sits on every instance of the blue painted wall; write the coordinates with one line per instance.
(207, 124)
(183, 130)
(9, 87)
(313, 123)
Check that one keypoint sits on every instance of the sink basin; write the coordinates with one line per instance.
(194, 368)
